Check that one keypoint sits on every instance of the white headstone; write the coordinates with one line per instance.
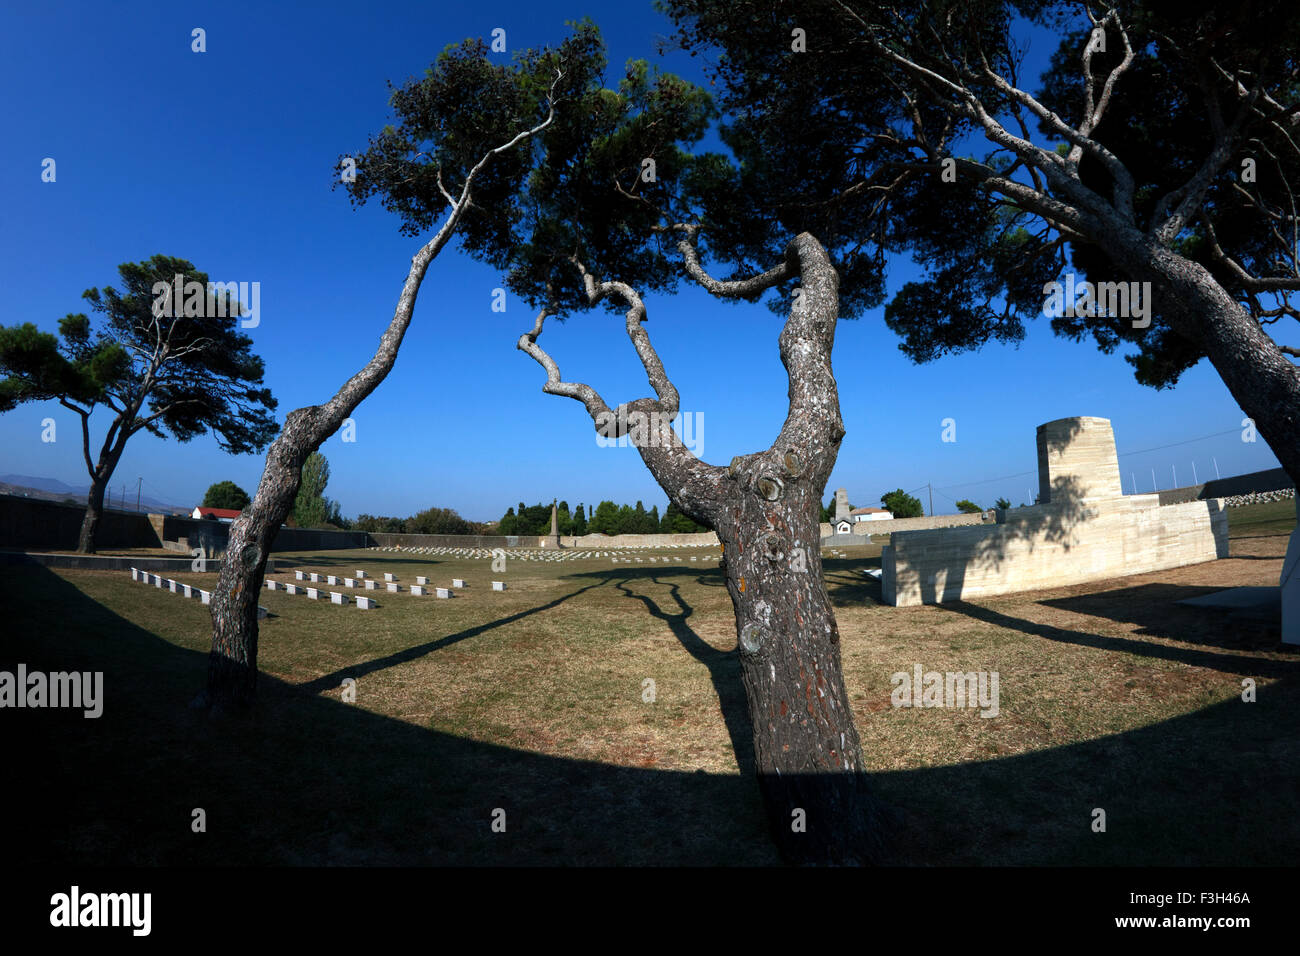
(337, 597)
(314, 577)
(421, 580)
(173, 586)
(293, 589)
(457, 583)
(205, 596)
(331, 579)
(370, 584)
(365, 603)
(300, 575)
(360, 573)
(418, 590)
(157, 580)
(272, 585)
(187, 590)
(394, 587)
(443, 592)
(135, 574)
(349, 582)
(498, 585)
(313, 593)
(388, 577)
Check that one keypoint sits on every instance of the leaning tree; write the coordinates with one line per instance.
(168, 359)
(1159, 147)
(620, 209)
(458, 137)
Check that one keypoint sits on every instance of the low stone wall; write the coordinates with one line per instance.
(1050, 546)
(454, 540)
(702, 540)
(891, 525)
(31, 523)
(104, 562)
(1272, 479)
(184, 534)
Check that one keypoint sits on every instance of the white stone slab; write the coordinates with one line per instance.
(498, 585)
(314, 578)
(419, 590)
(262, 612)
(173, 586)
(293, 589)
(389, 577)
(421, 580)
(272, 585)
(370, 584)
(365, 603)
(443, 592)
(331, 579)
(300, 575)
(205, 596)
(349, 582)
(157, 580)
(457, 583)
(394, 587)
(338, 597)
(135, 574)
(360, 573)
(187, 590)
(313, 593)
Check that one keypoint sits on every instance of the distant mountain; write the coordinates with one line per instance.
(51, 489)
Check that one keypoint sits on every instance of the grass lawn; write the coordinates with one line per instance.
(532, 701)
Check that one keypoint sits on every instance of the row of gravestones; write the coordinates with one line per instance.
(179, 587)
(362, 579)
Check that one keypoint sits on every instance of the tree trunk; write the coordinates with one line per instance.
(94, 509)
(1262, 379)
(232, 661)
(806, 749)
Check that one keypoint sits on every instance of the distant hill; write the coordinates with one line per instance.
(51, 489)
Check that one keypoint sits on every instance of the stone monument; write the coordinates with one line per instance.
(841, 504)
(552, 540)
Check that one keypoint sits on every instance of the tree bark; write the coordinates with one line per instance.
(1260, 377)
(94, 510)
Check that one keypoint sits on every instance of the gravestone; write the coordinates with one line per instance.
(187, 590)
(457, 583)
(443, 592)
(370, 584)
(314, 577)
(365, 603)
(135, 574)
(173, 586)
(338, 597)
(293, 589)
(360, 573)
(498, 585)
(421, 580)
(272, 585)
(157, 580)
(349, 582)
(205, 596)
(300, 575)
(389, 577)
(262, 612)
(394, 587)
(331, 579)
(418, 590)
(313, 593)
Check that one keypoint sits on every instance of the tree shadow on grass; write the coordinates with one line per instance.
(313, 781)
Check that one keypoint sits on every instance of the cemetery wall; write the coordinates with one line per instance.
(1272, 479)
(889, 525)
(183, 534)
(34, 523)
(455, 540)
(1049, 546)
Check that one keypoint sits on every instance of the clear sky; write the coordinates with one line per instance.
(226, 158)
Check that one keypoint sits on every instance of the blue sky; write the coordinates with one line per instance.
(226, 158)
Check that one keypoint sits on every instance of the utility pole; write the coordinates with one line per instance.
(1135, 482)
(1174, 469)
(931, 490)
(1153, 481)
(1195, 481)
(1216, 468)
(137, 493)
